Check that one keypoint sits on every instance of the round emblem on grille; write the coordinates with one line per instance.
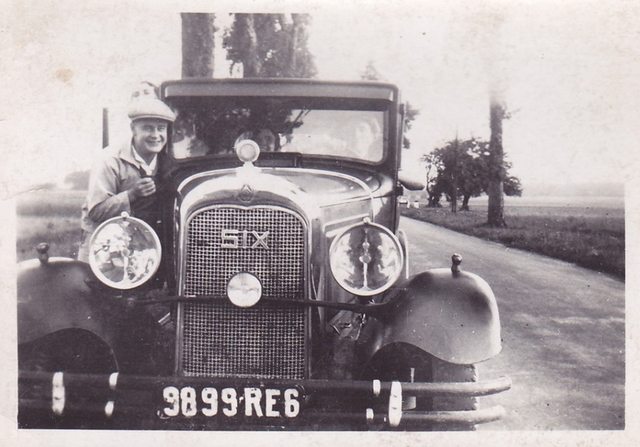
(244, 289)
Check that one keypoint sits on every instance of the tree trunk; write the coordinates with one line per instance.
(197, 45)
(454, 179)
(495, 189)
(293, 50)
(251, 62)
(465, 203)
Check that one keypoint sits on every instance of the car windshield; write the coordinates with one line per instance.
(210, 127)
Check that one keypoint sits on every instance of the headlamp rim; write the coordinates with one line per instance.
(156, 240)
(392, 279)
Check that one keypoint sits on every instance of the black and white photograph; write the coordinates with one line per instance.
(282, 222)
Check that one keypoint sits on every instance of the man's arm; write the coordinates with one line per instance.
(106, 197)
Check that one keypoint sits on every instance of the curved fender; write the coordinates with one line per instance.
(53, 295)
(451, 315)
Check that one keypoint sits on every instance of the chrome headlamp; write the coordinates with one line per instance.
(124, 252)
(366, 259)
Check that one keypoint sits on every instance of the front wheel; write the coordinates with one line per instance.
(69, 351)
(407, 363)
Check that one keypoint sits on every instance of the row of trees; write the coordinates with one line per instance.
(263, 45)
(465, 169)
(275, 45)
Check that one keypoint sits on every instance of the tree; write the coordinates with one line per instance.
(452, 165)
(463, 169)
(433, 187)
(270, 45)
(495, 188)
(197, 45)
(410, 114)
(371, 73)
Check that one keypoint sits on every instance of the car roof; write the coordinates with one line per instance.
(279, 87)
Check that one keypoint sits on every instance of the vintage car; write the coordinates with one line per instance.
(271, 291)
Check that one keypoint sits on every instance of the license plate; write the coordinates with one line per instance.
(231, 402)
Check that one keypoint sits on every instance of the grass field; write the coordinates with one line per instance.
(588, 233)
(48, 216)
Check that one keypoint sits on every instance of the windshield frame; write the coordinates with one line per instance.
(385, 96)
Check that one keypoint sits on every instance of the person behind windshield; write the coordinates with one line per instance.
(367, 140)
(267, 139)
(185, 143)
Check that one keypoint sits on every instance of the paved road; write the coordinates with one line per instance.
(563, 331)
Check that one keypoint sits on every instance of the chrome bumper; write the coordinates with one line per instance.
(130, 402)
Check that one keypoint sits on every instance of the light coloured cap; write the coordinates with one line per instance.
(149, 107)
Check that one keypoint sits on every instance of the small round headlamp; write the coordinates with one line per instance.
(124, 252)
(244, 289)
(247, 151)
(366, 259)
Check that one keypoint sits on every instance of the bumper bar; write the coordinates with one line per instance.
(120, 397)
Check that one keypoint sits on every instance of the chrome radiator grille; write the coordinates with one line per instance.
(221, 340)
(266, 341)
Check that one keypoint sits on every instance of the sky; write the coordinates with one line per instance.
(568, 71)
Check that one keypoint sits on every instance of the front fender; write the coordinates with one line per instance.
(62, 296)
(53, 296)
(452, 315)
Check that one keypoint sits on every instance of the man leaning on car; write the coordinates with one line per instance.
(122, 179)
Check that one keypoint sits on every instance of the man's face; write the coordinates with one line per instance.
(149, 136)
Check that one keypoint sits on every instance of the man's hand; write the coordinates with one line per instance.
(144, 187)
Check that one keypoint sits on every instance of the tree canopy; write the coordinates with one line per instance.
(270, 45)
(463, 169)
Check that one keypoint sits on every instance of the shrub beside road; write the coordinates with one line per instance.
(590, 237)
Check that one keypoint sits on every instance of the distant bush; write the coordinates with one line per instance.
(78, 180)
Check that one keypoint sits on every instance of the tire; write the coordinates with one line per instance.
(408, 363)
(70, 351)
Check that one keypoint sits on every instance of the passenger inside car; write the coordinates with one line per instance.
(185, 142)
(267, 139)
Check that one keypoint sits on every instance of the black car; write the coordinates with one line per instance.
(273, 289)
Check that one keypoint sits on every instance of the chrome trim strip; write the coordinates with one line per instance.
(58, 393)
(113, 380)
(179, 339)
(395, 404)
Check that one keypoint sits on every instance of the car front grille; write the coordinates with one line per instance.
(219, 339)
(266, 341)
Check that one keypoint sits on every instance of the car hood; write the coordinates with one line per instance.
(248, 185)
